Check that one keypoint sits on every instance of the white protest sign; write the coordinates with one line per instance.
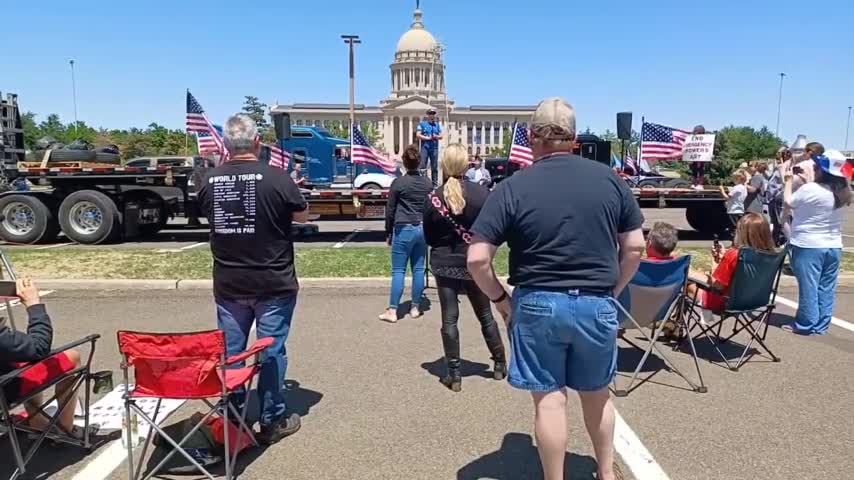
(698, 148)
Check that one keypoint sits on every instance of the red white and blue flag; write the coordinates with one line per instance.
(364, 154)
(660, 142)
(520, 149)
(279, 158)
(209, 139)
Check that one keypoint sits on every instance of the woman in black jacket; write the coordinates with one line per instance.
(450, 212)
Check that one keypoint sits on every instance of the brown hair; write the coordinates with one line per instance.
(753, 231)
(411, 158)
(815, 148)
(663, 238)
(760, 166)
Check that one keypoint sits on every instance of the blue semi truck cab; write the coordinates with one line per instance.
(325, 159)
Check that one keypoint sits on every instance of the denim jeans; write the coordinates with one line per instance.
(430, 155)
(408, 247)
(273, 318)
(817, 271)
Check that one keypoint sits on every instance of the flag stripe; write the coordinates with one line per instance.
(520, 149)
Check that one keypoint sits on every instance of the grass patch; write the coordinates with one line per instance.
(106, 263)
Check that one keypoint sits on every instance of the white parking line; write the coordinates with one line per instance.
(347, 238)
(16, 302)
(195, 245)
(835, 321)
(634, 454)
(55, 245)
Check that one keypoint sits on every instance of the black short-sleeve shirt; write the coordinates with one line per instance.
(250, 207)
(561, 218)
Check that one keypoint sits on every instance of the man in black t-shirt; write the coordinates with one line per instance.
(563, 219)
(250, 207)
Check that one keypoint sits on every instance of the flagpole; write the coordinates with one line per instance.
(640, 149)
(186, 136)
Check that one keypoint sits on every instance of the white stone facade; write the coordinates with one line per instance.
(417, 83)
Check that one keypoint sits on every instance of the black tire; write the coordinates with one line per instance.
(44, 228)
(371, 186)
(67, 155)
(106, 157)
(708, 220)
(148, 198)
(650, 183)
(102, 222)
(677, 183)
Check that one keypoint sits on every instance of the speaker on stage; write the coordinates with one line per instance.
(282, 124)
(624, 125)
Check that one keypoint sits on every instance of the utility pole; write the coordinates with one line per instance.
(352, 41)
(779, 104)
(847, 128)
(73, 93)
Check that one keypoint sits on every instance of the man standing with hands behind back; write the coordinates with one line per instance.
(250, 207)
(563, 219)
(430, 132)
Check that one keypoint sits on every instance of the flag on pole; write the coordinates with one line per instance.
(198, 123)
(660, 142)
(364, 154)
(631, 167)
(616, 162)
(520, 149)
(279, 158)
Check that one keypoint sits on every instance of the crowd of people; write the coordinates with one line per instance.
(574, 231)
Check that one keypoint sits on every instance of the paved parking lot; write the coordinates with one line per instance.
(373, 407)
(369, 233)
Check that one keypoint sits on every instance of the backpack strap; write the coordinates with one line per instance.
(440, 207)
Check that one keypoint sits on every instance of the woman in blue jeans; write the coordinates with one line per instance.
(405, 234)
(816, 240)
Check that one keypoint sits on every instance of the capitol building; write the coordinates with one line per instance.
(417, 82)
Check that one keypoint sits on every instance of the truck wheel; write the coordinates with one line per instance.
(677, 183)
(371, 186)
(708, 220)
(89, 217)
(26, 219)
(148, 199)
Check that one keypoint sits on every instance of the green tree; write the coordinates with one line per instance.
(257, 110)
(737, 145)
(371, 133)
(504, 150)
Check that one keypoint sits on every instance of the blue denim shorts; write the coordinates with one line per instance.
(562, 339)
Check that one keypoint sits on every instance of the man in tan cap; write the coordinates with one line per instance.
(563, 218)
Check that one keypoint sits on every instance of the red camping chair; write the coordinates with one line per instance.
(11, 424)
(186, 366)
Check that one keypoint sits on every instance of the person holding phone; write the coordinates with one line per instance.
(20, 348)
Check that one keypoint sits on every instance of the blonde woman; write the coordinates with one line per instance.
(451, 211)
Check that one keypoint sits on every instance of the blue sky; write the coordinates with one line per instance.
(677, 64)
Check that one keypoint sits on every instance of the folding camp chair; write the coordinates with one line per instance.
(654, 295)
(189, 366)
(12, 424)
(750, 302)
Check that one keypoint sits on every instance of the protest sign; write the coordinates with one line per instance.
(698, 148)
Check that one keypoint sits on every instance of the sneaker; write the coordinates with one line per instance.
(415, 313)
(285, 427)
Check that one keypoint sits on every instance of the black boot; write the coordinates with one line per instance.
(453, 380)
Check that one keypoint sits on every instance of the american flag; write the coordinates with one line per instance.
(364, 154)
(631, 167)
(659, 142)
(520, 150)
(209, 139)
(279, 158)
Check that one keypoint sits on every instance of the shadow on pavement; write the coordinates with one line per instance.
(438, 369)
(300, 400)
(50, 459)
(517, 458)
(629, 357)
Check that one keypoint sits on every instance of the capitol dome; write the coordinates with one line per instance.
(417, 39)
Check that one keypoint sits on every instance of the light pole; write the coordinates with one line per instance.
(352, 40)
(779, 104)
(73, 93)
(847, 128)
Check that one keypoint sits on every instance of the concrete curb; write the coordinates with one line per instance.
(314, 283)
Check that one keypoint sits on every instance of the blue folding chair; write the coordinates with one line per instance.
(654, 295)
(750, 303)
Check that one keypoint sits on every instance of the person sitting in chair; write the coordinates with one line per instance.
(661, 242)
(20, 348)
(752, 231)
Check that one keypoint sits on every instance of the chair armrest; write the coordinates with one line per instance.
(256, 348)
(705, 286)
(18, 372)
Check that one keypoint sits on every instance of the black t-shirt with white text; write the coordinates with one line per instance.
(561, 218)
(250, 207)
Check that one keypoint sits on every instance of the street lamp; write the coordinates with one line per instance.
(847, 128)
(352, 40)
(779, 104)
(73, 93)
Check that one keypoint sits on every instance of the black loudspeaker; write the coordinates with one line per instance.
(282, 123)
(594, 148)
(624, 125)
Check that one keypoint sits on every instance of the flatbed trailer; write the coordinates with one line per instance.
(95, 204)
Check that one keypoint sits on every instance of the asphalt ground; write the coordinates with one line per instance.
(372, 406)
(369, 233)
